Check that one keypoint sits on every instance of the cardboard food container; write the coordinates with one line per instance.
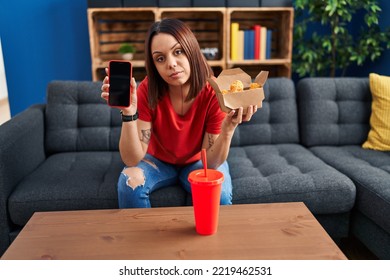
(234, 100)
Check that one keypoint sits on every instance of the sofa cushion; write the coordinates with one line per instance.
(334, 111)
(379, 135)
(288, 172)
(370, 171)
(68, 181)
(78, 181)
(78, 119)
(276, 122)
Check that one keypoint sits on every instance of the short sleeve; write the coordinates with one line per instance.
(215, 115)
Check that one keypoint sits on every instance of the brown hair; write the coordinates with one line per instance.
(200, 70)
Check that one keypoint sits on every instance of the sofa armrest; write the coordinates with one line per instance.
(21, 151)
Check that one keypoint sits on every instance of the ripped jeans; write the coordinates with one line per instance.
(158, 174)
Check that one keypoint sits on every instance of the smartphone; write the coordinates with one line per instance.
(119, 75)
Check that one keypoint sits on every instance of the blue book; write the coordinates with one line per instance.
(249, 44)
(246, 44)
(268, 44)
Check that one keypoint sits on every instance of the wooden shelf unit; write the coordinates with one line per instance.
(208, 25)
(109, 27)
(280, 21)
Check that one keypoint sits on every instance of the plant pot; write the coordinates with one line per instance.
(127, 56)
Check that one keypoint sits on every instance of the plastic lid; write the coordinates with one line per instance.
(214, 177)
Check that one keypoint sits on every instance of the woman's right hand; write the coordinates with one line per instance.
(132, 109)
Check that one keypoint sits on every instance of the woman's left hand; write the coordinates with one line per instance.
(235, 117)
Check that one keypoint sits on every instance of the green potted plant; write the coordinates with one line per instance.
(332, 50)
(127, 50)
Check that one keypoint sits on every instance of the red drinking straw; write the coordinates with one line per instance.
(204, 161)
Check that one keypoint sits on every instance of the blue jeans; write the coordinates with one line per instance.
(158, 174)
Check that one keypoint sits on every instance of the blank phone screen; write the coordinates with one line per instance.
(119, 80)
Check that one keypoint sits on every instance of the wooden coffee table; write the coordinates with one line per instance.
(252, 231)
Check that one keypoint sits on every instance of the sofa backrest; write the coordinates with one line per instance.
(334, 111)
(276, 122)
(78, 119)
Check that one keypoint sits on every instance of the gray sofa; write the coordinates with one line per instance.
(334, 122)
(63, 155)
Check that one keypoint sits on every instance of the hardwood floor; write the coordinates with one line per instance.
(353, 249)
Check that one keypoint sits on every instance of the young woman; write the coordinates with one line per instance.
(174, 113)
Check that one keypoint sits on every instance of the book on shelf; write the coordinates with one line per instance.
(240, 45)
(268, 44)
(263, 42)
(234, 40)
(249, 45)
(254, 43)
(257, 29)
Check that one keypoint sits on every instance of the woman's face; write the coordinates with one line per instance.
(170, 60)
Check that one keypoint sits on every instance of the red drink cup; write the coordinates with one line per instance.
(206, 196)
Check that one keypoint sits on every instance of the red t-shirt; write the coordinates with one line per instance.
(178, 139)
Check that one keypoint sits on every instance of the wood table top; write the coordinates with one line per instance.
(271, 231)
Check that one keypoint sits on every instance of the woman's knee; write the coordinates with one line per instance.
(134, 177)
(227, 187)
(226, 198)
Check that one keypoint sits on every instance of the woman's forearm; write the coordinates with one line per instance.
(130, 145)
(219, 151)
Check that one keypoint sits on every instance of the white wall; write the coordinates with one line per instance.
(3, 82)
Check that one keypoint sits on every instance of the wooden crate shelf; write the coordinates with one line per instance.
(109, 27)
(280, 21)
(207, 25)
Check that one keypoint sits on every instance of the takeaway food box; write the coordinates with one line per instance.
(229, 100)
